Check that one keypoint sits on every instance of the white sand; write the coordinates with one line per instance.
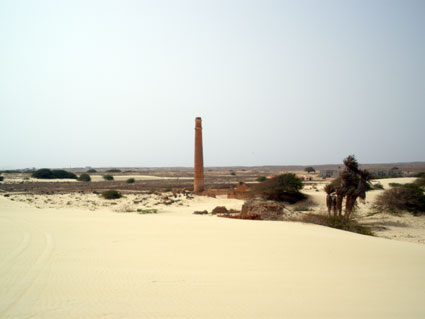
(75, 263)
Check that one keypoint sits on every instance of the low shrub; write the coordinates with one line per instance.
(91, 170)
(84, 178)
(261, 179)
(420, 174)
(233, 173)
(131, 180)
(113, 170)
(1, 178)
(147, 211)
(406, 197)
(201, 212)
(45, 173)
(111, 194)
(378, 186)
(339, 222)
(108, 177)
(220, 210)
(394, 184)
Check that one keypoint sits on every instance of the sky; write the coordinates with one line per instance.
(119, 83)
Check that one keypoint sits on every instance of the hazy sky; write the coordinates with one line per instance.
(119, 83)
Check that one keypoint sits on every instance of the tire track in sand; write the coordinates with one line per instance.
(8, 259)
(31, 261)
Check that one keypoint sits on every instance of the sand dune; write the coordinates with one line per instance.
(73, 263)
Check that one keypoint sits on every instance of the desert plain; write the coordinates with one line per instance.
(72, 254)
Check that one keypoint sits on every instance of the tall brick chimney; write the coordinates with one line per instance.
(198, 182)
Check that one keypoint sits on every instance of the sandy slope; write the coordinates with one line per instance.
(71, 263)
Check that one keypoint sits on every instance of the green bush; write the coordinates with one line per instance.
(378, 186)
(108, 177)
(113, 170)
(309, 169)
(45, 173)
(282, 188)
(261, 179)
(420, 174)
(420, 181)
(1, 178)
(131, 180)
(233, 173)
(394, 184)
(111, 194)
(406, 197)
(91, 170)
(84, 178)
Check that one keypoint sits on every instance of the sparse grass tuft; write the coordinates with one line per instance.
(304, 206)
(339, 222)
(147, 211)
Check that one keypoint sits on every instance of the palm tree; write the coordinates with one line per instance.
(351, 185)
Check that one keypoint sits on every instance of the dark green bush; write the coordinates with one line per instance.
(1, 178)
(233, 173)
(309, 169)
(261, 179)
(131, 180)
(111, 194)
(45, 173)
(60, 173)
(407, 197)
(113, 170)
(282, 188)
(394, 184)
(108, 177)
(420, 181)
(84, 178)
(420, 174)
(91, 170)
